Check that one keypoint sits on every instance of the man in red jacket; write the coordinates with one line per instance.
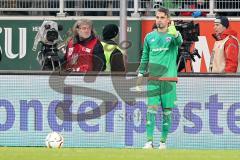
(225, 56)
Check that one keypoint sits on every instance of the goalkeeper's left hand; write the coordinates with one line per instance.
(172, 30)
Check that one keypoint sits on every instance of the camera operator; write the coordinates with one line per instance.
(225, 55)
(84, 51)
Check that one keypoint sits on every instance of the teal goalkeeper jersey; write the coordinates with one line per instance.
(159, 54)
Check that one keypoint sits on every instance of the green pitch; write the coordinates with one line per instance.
(35, 153)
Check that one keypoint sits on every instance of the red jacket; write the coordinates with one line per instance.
(81, 56)
(231, 50)
(85, 55)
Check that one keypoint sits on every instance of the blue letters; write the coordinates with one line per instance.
(62, 110)
(110, 115)
(213, 107)
(132, 117)
(175, 119)
(24, 107)
(95, 113)
(129, 122)
(10, 115)
(232, 118)
(189, 115)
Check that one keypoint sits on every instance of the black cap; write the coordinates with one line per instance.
(222, 20)
(110, 31)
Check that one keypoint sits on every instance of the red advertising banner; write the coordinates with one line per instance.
(205, 43)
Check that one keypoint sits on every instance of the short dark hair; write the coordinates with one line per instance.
(222, 20)
(164, 10)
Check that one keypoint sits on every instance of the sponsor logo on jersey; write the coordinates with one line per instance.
(159, 49)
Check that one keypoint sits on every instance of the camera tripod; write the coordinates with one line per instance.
(49, 58)
(55, 63)
(183, 59)
(187, 56)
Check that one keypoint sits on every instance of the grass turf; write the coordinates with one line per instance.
(35, 153)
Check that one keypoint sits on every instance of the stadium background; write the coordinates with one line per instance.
(17, 37)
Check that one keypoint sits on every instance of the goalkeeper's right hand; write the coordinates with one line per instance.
(139, 82)
(172, 30)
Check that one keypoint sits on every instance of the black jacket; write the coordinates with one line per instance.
(116, 58)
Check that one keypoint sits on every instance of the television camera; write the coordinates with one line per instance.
(49, 38)
(190, 33)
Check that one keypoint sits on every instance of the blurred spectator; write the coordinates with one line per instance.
(198, 4)
(114, 56)
(84, 51)
(225, 56)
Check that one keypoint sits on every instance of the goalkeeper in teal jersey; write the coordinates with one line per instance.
(159, 59)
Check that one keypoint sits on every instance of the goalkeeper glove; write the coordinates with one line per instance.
(139, 82)
(172, 30)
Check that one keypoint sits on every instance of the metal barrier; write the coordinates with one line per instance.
(29, 5)
(136, 6)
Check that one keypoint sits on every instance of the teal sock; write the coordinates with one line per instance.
(166, 124)
(150, 125)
